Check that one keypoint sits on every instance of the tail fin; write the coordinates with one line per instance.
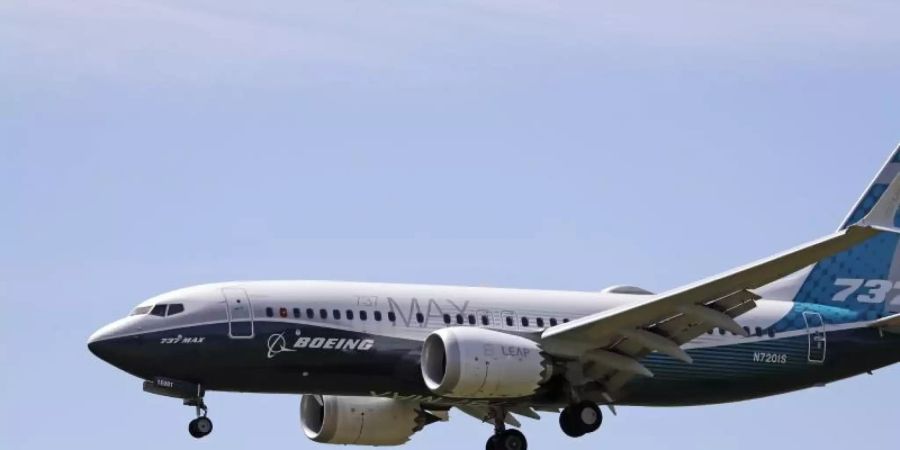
(865, 278)
(887, 173)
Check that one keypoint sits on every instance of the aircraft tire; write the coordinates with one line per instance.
(507, 440)
(580, 419)
(200, 427)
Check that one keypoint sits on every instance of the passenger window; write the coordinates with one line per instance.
(524, 321)
(336, 314)
(565, 320)
(459, 319)
(175, 308)
(282, 312)
(378, 316)
(509, 321)
(349, 314)
(722, 331)
(553, 321)
(485, 321)
(771, 332)
(758, 332)
(540, 322)
(447, 319)
(296, 313)
(363, 316)
(420, 318)
(391, 316)
(747, 331)
(471, 319)
(310, 314)
(158, 310)
(323, 314)
(269, 312)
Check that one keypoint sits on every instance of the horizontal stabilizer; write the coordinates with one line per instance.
(887, 322)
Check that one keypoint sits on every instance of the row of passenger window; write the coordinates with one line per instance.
(758, 331)
(459, 319)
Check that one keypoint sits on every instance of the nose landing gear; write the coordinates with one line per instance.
(580, 419)
(191, 394)
(201, 426)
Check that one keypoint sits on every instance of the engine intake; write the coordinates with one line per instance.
(480, 363)
(331, 419)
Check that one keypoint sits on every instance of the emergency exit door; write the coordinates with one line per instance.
(815, 328)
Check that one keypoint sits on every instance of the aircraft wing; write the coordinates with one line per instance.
(609, 344)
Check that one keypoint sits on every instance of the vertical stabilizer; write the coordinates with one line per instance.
(865, 278)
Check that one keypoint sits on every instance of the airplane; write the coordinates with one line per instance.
(376, 363)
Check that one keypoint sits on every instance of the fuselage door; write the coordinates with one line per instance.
(240, 313)
(815, 327)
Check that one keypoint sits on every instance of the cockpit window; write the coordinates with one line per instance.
(159, 310)
(140, 311)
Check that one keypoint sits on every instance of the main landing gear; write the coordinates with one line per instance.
(201, 426)
(507, 440)
(504, 439)
(575, 420)
(580, 419)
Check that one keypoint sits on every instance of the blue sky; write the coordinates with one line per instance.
(149, 145)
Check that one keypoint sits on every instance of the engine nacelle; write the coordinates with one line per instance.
(480, 363)
(332, 419)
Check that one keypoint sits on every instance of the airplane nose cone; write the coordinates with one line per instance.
(112, 342)
(96, 349)
(96, 336)
(96, 345)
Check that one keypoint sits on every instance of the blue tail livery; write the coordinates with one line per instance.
(864, 278)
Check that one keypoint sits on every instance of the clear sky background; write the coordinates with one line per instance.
(149, 145)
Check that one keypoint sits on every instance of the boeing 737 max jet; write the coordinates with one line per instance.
(377, 363)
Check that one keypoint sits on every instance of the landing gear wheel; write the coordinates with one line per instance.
(580, 419)
(507, 440)
(590, 416)
(569, 425)
(200, 427)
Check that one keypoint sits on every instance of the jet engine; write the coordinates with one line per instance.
(331, 419)
(480, 363)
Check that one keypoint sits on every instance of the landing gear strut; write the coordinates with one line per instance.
(504, 439)
(201, 426)
(580, 419)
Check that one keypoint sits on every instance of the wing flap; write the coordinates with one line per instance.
(683, 328)
(483, 413)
